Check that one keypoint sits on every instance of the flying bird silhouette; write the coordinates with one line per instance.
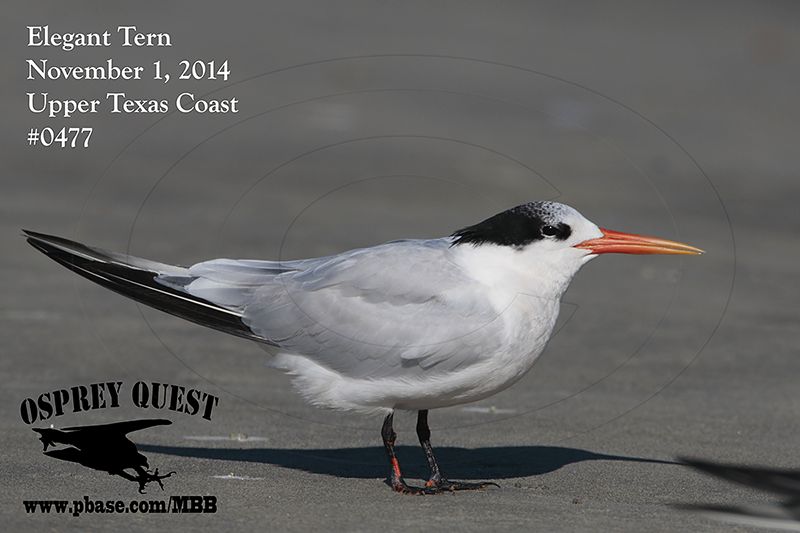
(105, 447)
(413, 324)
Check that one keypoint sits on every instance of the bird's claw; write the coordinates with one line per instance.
(148, 477)
(438, 486)
(445, 485)
(399, 485)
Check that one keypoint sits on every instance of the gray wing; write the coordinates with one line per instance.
(394, 309)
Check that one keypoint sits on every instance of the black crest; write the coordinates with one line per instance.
(517, 226)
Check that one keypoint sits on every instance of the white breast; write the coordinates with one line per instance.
(524, 327)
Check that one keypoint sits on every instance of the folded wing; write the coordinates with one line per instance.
(395, 309)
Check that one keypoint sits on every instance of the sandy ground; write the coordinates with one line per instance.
(369, 122)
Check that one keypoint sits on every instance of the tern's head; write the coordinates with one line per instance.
(555, 236)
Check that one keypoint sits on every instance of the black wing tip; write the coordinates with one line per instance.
(145, 422)
(136, 279)
(44, 238)
(35, 235)
(34, 238)
(148, 423)
(154, 421)
(48, 244)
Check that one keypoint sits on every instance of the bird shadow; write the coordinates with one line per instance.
(370, 462)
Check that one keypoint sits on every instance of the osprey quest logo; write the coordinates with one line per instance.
(105, 447)
(108, 447)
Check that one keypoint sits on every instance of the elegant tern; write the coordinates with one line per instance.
(412, 324)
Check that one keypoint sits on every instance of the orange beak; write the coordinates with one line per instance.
(618, 242)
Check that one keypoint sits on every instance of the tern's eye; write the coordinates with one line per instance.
(549, 231)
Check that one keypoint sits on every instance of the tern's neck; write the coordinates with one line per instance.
(545, 274)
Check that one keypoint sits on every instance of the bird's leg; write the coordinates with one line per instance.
(424, 434)
(395, 480)
(437, 482)
(146, 477)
